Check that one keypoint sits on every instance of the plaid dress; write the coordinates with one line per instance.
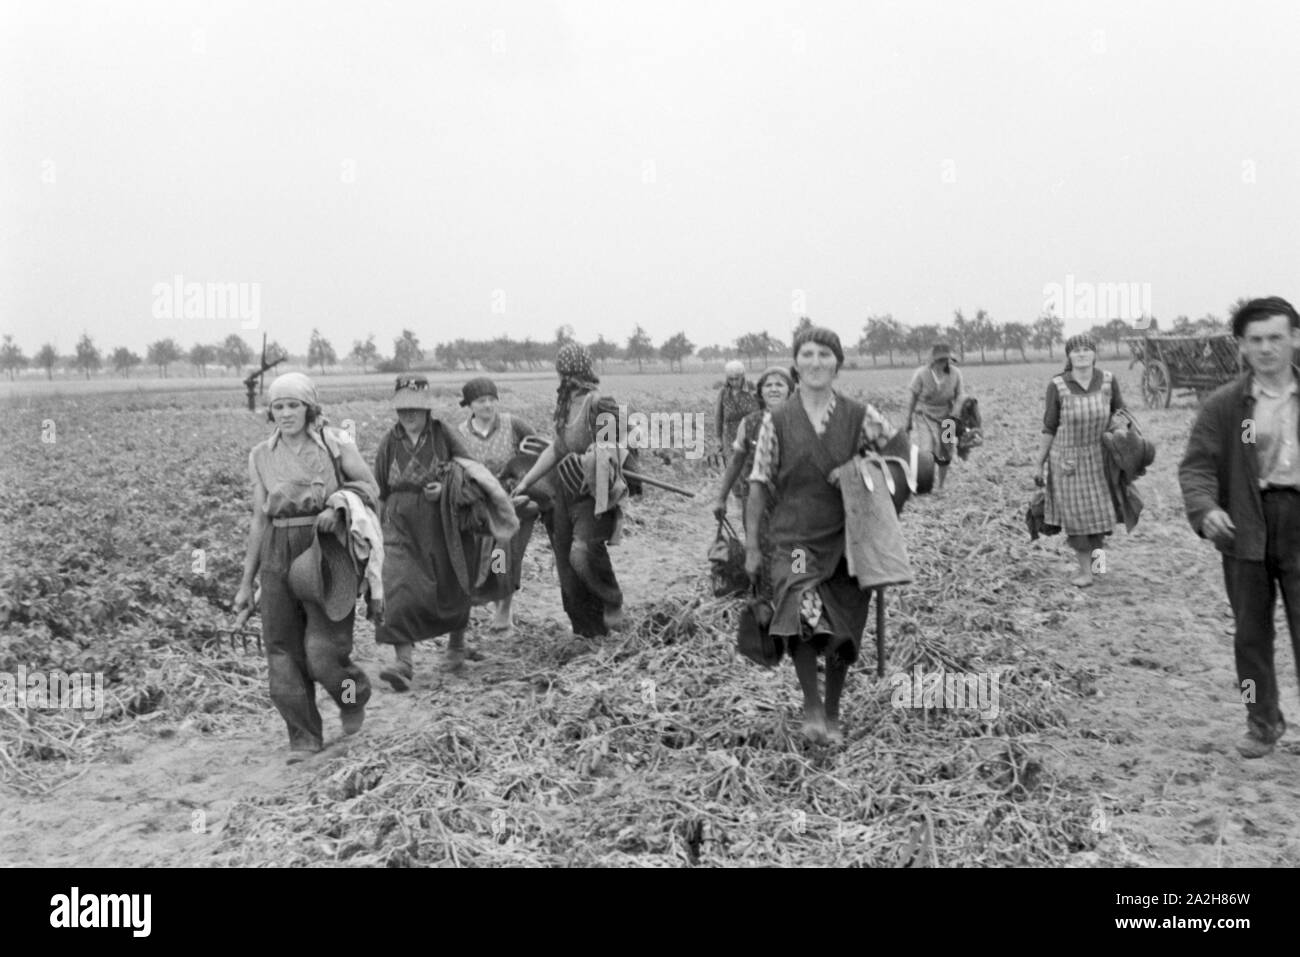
(1078, 498)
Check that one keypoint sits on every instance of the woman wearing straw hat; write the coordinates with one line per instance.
(586, 514)
(423, 597)
(493, 438)
(773, 388)
(1079, 403)
(293, 473)
(818, 608)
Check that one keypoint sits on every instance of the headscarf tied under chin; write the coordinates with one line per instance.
(573, 363)
(1081, 341)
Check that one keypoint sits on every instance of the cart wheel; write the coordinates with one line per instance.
(1156, 386)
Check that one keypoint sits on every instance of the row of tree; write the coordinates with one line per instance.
(882, 335)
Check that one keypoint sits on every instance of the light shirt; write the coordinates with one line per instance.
(935, 393)
(1276, 418)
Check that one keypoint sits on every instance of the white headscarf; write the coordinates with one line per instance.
(295, 385)
(735, 367)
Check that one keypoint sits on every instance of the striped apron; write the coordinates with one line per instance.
(1078, 498)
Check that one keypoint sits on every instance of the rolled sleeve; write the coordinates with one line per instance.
(876, 430)
(1051, 410)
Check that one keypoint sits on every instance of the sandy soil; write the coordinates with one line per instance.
(1152, 727)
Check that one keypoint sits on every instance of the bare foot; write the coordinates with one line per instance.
(352, 720)
(298, 756)
(1082, 581)
(834, 733)
(455, 659)
(501, 625)
(614, 618)
(814, 725)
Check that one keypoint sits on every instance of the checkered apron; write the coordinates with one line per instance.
(1078, 498)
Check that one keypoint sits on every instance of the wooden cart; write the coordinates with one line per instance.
(1195, 364)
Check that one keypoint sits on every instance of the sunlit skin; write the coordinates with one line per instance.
(291, 419)
(1270, 346)
(484, 409)
(1083, 362)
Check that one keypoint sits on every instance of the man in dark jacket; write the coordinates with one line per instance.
(1240, 479)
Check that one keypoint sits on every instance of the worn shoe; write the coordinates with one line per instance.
(1252, 746)
(399, 675)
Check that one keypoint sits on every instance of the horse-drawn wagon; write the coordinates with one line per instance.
(1196, 364)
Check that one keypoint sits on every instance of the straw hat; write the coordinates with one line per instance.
(412, 392)
(324, 576)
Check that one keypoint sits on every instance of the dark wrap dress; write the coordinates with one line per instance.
(807, 531)
(423, 597)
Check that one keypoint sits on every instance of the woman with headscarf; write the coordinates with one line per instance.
(1079, 404)
(423, 592)
(735, 401)
(493, 438)
(773, 388)
(818, 608)
(293, 473)
(586, 514)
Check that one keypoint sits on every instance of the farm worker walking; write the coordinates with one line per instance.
(1240, 479)
(735, 401)
(430, 561)
(1078, 408)
(936, 391)
(493, 438)
(587, 512)
(293, 473)
(818, 607)
(774, 387)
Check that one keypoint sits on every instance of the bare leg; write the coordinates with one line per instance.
(1084, 578)
(814, 715)
(836, 671)
(942, 475)
(456, 651)
(503, 620)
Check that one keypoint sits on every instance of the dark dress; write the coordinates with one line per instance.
(580, 537)
(423, 597)
(807, 530)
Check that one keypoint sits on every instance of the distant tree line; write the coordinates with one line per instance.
(882, 336)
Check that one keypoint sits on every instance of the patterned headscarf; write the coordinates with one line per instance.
(824, 337)
(1081, 341)
(573, 363)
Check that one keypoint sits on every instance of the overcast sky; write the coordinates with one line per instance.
(478, 168)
